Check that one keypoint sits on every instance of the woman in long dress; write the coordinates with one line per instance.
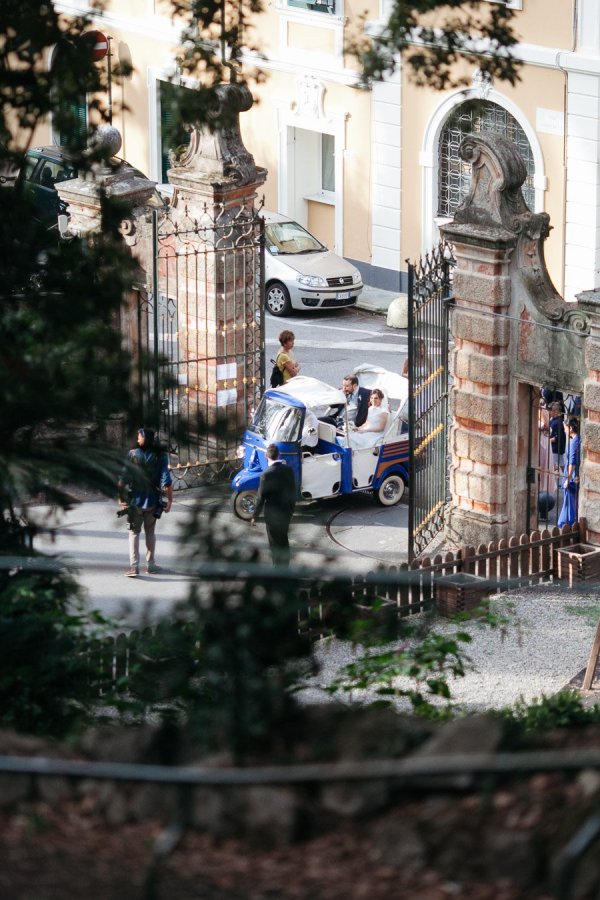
(568, 513)
(367, 434)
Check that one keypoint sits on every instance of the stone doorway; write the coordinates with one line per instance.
(549, 411)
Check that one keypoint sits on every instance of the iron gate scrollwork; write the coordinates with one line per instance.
(429, 292)
(201, 327)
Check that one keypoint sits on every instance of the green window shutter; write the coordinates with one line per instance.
(71, 127)
(172, 132)
(78, 115)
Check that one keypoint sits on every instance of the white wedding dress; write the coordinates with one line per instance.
(378, 418)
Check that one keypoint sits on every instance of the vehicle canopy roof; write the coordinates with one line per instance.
(309, 392)
(393, 385)
(312, 393)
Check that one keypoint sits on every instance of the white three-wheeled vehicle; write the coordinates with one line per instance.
(339, 460)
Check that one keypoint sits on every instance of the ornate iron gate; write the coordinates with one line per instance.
(429, 290)
(201, 327)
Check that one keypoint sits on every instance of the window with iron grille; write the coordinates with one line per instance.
(476, 117)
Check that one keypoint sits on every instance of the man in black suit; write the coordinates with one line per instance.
(357, 400)
(357, 404)
(277, 493)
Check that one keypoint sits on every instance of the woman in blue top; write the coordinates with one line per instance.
(141, 487)
(568, 513)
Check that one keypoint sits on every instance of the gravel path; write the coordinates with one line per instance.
(547, 643)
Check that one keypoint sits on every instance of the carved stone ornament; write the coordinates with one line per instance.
(495, 207)
(129, 230)
(310, 95)
(497, 174)
(482, 83)
(220, 155)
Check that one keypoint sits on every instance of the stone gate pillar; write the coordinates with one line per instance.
(483, 248)
(512, 333)
(589, 487)
(84, 196)
(215, 185)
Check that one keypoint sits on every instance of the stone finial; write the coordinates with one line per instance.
(106, 177)
(106, 141)
(219, 155)
(495, 199)
(495, 212)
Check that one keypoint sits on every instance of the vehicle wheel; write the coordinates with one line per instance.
(390, 491)
(277, 299)
(244, 504)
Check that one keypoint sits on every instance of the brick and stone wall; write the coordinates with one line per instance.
(511, 332)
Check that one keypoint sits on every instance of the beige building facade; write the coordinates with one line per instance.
(375, 174)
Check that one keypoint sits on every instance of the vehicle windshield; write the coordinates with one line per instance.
(275, 421)
(289, 238)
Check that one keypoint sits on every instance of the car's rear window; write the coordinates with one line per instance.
(48, 172)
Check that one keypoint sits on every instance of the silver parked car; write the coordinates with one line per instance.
(301, 273)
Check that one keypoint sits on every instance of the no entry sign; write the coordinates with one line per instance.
(100, 48)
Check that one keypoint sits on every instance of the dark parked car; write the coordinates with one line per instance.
(43, 169)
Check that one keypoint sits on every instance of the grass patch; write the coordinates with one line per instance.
(591, 614)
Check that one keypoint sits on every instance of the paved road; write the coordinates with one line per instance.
(351, 534)
(329, 345)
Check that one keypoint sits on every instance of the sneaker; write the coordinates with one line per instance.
(132, 572)
(153, 569)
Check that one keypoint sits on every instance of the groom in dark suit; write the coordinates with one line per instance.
(357, 400)
(277, 493)
(357, 404)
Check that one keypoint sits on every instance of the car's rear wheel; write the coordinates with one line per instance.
(244, 504)
(277, 299)
(391, 490)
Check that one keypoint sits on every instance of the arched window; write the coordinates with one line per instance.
(475, 117)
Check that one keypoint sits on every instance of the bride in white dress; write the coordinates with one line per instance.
(368, 434)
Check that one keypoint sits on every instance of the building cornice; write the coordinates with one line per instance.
(299, 66)
(158, 29)
(163, 30)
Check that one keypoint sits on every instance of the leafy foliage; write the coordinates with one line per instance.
(433, 37)
(229, 656)
(61, 364)
(563, 710)
(417, 667)
(404, 658)
(47, 683)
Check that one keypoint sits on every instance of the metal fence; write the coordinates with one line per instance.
(429, 290)
(200, 337)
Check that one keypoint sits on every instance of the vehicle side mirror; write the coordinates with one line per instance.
(63, 225)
